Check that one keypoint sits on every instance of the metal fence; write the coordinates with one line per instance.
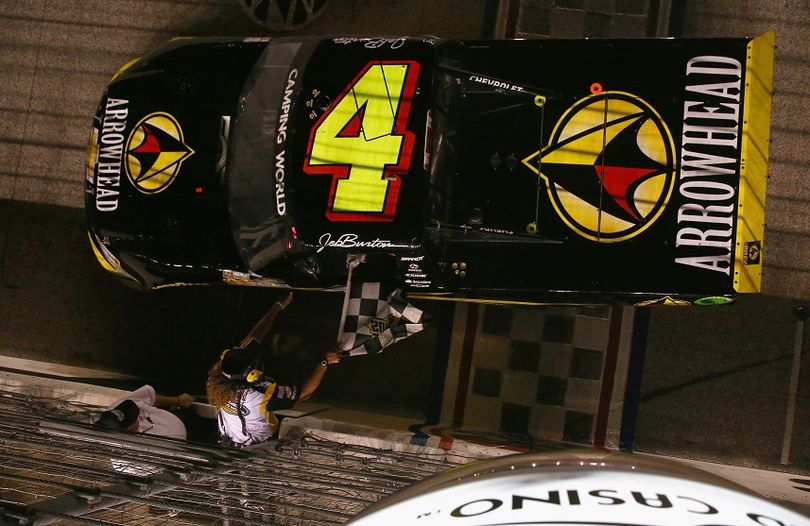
(54, 469)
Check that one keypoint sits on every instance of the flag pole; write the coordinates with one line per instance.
(352, 260)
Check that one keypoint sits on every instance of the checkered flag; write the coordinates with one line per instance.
(375, 319)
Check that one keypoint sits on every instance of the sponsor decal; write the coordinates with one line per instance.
(415, 270)
(110, 154)
(231, 409)
(155, 151)
(352, 241)
(415, 276)
(361, 141)
(593, 496)
(752, 253)
(418, 283)
(609, 166)
(488, 230)
(710, 161)
(500, 84)
(280, 172)
(372, 43)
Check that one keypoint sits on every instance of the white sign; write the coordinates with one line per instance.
(596, 494)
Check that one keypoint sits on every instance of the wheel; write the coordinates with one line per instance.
(283, 15)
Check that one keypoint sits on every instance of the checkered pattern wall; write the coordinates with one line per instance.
(537, 371)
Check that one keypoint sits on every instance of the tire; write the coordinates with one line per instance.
(283, 15)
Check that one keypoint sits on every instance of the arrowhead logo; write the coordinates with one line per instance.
(154, 152)
(609, 166)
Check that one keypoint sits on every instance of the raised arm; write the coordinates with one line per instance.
(262, 328)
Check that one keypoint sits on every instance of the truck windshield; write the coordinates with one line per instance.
(260, 226)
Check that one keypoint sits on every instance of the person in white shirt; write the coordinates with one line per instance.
(144, 411)
(245, 396)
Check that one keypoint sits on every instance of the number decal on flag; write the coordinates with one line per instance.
(361, 141)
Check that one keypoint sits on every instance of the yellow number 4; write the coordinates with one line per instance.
(363, 143)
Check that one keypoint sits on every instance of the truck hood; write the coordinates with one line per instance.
(156, 179)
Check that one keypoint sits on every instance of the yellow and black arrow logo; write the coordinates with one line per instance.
(155, 151)
(609, 166)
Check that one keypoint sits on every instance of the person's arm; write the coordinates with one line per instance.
(314, 381)
(262, 327)
(181, 400)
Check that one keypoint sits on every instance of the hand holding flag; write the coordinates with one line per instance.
(375, 318)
